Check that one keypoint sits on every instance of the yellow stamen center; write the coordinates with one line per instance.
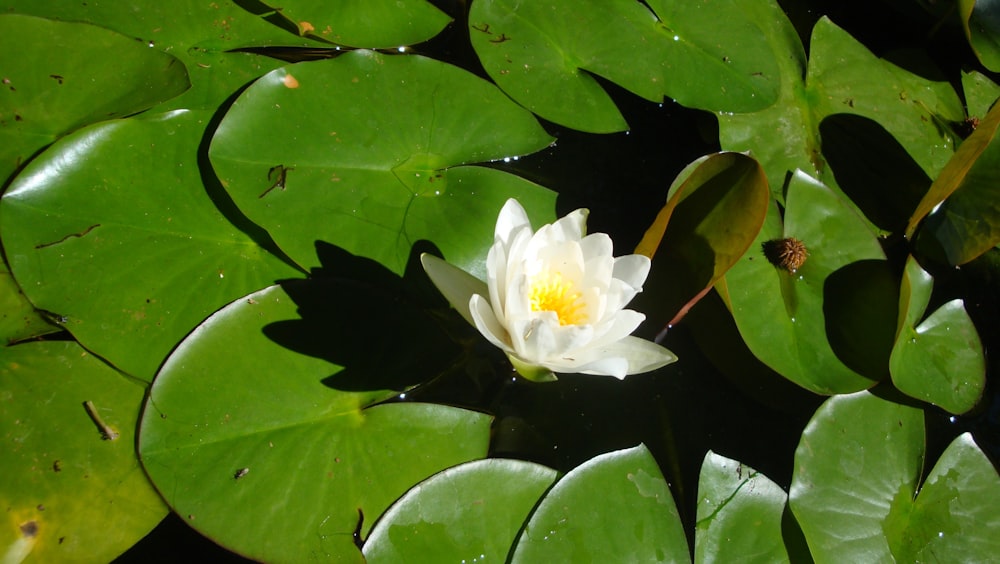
(550, 292)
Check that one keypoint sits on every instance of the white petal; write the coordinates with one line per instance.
(571, 227)
(632, 270)
(641, 356)
(485, 320)
(617, 328)
(455, 284)
(496, 278)
(512, 217)
(597, 245)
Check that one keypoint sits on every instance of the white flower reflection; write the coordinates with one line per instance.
(554, 300)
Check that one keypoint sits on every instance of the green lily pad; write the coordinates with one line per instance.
(18, 318)
(368, 152)
(544, 56)
(854, 488)
(981, 20)
(961, 211)
(471, 512)
(827, 325)
(61, 80)
(980, 93)
(842, 77)
(281, 434)
(940, 359)
(115, 232)
(70, 491)
(955, 513)
(615, 507)
(739, 514)
(720, 202)
(364, 23)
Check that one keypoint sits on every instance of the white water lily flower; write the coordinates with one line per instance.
(554, 299)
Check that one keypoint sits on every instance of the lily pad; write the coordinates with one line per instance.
(368, 151)
(615, 507)
(18, 318)
(256, 446)
(939, 359)
(471, 512)
(60, 81)
(714, 210)
(711, 57)
(961, 211)
(72, 487)
(115, 232)
(364, 23)
(739, 514)
(854, 488)
(980, 93)
(825, 323)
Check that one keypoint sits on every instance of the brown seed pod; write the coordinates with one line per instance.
(788, 253)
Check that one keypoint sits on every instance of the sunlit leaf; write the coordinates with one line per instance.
(828, 325)
(981, 20)
(72, 487)
(980, 93)
(854, 488)
(544, 55)
(114, 230)
(368, 152)
(472, 512)
(615, 507)
(60, 80)
(939, 359)
(713, 213)
(739, 514)
(856, 469)
(364, 23)
(961, 211)
(280, 434)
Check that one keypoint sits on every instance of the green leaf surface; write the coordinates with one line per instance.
(114, 230)
(739, 514)
(956, 513)
(856, 472)
(980, 93)
(713, 213)
(69, 493)
(200, 33)
(961, 211)
(841, 77)
(364, 23)
(616, 507)
(471, 512)
(981, 20)
(367, 151)
(18, 318)
(809, 325)
(279, 435)
(939, 360)
(545, 55)
(60, 80)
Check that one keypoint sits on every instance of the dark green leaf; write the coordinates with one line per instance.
(962, 207)
(739, 514)
(280, 435)
(981, 20)
(980, 93)
(72, 487)
(60, 80)
(471, 512)
(115, 232)
(544, 55)
(367, 151)
(615, 507)
(364, 23)
(18, 318)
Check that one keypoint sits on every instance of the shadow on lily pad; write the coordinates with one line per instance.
(357, 314)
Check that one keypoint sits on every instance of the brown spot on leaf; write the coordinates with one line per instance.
(29, 529)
